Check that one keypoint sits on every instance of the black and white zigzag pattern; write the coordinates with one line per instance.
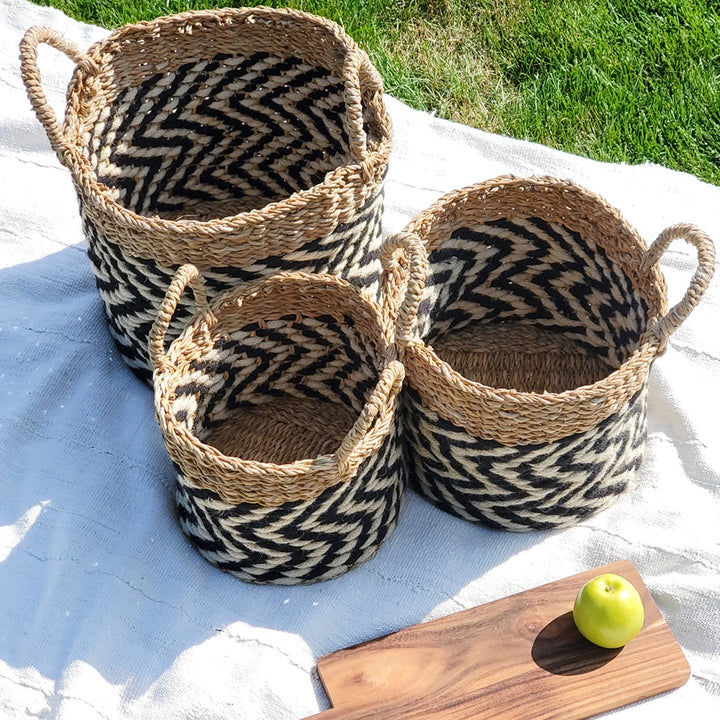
(324, 360)
(536, 272)
(250, 129)
(320, 359)
(211, 139)
(525, 487)
(299, 542)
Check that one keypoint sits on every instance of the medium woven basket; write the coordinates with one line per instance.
(278, 405)
(532, 316)
(237, 140)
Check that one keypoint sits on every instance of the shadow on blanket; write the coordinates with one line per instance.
(100, 572)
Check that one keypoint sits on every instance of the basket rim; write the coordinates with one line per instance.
(355, 182)
(247, 230)
(514, 417)
(448, 204)
(324, 470)
(206, 319)
(644, 354)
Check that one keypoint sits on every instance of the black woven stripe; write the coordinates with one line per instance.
(277, 111)
(269, 100)
(293, 370)
(627, 305)
(234, 127)
(301, 541)
(179, 130)
(133, 188)
(333, 118)
(177, 178)
(274, 130)
(208, 536)
(494, 275)
(487, 482)
(307, 108)
(129, 350)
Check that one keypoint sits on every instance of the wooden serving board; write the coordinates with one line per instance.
(518, 658)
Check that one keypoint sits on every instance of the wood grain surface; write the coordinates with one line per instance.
(518, 658)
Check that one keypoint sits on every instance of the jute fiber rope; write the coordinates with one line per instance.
(505, 414)
(704, 272)
(235, 479)
(134, 52)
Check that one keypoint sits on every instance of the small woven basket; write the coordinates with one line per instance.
(532, 315)
(236, 140)
(278, 404)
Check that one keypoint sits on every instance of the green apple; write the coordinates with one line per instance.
(608, 611)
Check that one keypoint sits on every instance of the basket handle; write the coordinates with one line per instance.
(186, 275)
(413, 273)
(360, 75)
(352, 449)
(668, 324)
(31, 78)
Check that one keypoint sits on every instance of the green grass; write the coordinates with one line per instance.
(615, 80)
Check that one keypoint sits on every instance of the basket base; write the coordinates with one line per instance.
(520, 357)
(204, 210)
(283, 430)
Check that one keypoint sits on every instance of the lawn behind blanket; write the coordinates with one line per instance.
(614, 80)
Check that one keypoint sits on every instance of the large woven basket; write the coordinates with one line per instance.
(238, 140)
(278, 404)
(532, 316)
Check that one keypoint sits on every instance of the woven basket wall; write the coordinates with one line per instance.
(278, 404)
(532, 316)
(238, 140)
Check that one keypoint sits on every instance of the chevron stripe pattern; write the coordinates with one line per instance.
(235, 132)
(536, 272)
(522, 488)
(317, 359)
(326, 368)
(212, 139)
(299, 542)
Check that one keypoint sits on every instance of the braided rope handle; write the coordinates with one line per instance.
(353, 449)
(33, 85)
(413, 275)
(185, 275)
(360, 76)
(668, 324)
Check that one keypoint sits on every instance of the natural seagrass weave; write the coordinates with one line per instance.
(239, 140)
(278, 404)
(532, 314)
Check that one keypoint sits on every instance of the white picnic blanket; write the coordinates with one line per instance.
(105, 610)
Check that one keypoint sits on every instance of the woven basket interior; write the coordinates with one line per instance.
(218, 122)
(280, 391)
(529, 305)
